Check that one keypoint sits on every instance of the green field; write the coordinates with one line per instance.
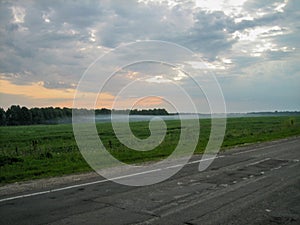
(30, 152)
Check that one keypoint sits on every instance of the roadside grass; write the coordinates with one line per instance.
(38, 151)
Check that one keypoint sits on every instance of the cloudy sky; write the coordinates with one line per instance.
(251, 46)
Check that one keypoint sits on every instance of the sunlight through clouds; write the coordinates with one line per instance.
(18, 14)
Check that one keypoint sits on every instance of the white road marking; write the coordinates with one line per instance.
(202, 160)
(53, 190)
(101, 181)
(276, 168)
(257, 162)
(253, 150)
(196, 161)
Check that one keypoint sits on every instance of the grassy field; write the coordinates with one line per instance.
(30, 152)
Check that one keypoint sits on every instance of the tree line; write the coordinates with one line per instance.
(17, 115)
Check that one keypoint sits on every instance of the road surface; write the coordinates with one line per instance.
(257, 184)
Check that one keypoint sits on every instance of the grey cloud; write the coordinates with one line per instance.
(266, 5)
(116, 23)
(52, 84)
(78, 14)
(209, 34)
(141, 21)
(291, 13)
(58, 52)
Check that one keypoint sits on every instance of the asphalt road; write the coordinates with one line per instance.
(258, 184)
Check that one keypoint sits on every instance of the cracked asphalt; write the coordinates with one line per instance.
(255, 184)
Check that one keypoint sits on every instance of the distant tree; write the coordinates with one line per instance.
(48, 113)
(2, 117)
(13, 115)
(37, 116)
(149, 112)
(26, 116)
(102, 111)
(133, 112)
(58, 113)
(67, 112)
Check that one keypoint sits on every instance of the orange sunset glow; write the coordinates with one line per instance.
(64, 97)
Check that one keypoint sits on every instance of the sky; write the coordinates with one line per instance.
(252, 47)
